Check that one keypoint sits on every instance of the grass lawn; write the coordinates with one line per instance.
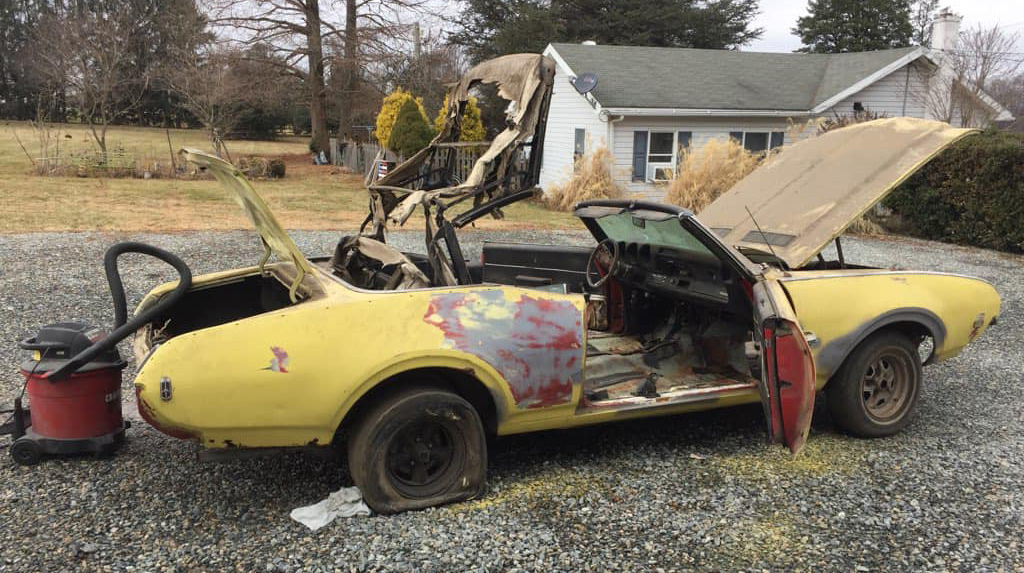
(309, 197)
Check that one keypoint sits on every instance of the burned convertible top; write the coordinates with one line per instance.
(507, 171)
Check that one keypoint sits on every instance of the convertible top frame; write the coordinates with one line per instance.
(498, 177)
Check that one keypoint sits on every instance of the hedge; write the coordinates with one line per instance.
(971, 194)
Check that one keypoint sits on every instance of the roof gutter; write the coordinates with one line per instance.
(698, 112)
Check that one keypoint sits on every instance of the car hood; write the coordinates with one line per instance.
(808, 194)
(273, 235)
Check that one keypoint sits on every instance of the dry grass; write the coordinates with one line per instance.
(708, 171)
(592, 179)
(309, 197)
(865, 226)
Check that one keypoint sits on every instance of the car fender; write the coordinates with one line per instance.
(844, 308)
(482, 372)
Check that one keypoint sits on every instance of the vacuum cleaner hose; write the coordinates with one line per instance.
(123, 327)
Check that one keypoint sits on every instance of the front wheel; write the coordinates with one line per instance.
(418, 448)
(875, 392)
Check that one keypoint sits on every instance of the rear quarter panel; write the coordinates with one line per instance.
(843, 307)
(289, 377)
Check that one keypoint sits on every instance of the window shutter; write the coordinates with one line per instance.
(778, 138)
(639, 155)
(683, 139)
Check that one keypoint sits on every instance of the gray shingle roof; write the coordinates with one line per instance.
(683, 78)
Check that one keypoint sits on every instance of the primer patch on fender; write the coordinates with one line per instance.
(534, 343)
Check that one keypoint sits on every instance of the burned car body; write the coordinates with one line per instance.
(413, 360)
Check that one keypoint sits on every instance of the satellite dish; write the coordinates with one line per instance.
(585, 83)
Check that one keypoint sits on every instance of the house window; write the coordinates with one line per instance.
(579, 146)
(758, 141)
(655, 154)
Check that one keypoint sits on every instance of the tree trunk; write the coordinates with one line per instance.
(315, 78)
(349, 66)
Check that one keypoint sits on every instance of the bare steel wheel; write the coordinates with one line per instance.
(419, 456)
(875, 392)
(885, 386)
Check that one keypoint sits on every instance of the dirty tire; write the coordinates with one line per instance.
(418, 448)
(874, 394)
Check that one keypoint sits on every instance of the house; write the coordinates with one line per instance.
(649, 103)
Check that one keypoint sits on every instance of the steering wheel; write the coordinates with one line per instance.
(613, 250)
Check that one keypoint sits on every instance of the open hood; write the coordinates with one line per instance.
(808, 194)
(274, 236)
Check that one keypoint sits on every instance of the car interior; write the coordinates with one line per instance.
(667, 320)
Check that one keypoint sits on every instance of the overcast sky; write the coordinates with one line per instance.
(779, 16)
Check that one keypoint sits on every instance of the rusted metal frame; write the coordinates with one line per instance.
(475, 213)
(537, 142)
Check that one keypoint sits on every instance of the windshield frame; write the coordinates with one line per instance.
(589, 211)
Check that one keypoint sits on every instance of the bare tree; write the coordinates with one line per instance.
(89, 54)
(921, 14)
(1009, 91)
(212, 91)
(954, 89)
(297, 32)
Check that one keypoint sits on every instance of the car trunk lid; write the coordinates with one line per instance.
(274, 236)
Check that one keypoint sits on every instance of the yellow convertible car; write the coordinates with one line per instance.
(411, 361)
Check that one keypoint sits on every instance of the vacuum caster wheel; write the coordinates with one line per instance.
(26, 452)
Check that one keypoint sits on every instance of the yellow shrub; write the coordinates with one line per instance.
(706, 172)
(388, 113)
(591, 180)
(472, 128)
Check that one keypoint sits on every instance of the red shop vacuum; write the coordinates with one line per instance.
(73, 379)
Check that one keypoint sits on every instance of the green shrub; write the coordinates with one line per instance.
(971, 194)
(411, 131)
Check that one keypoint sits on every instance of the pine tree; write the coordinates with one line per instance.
(472, 128)
(494, 27)
(411, 131)
(833, 26)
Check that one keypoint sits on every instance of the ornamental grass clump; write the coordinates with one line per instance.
(706, 172)
(592, 179)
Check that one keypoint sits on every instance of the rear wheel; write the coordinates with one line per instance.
(875, 392)
(418, 448)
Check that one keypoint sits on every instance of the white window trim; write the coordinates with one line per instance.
(743, 139)
(654, 166)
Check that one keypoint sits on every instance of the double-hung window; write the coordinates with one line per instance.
(758, 141)
(656, 153)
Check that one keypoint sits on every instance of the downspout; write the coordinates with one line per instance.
(611, 136)
(906, 88)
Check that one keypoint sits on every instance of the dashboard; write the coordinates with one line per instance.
(672, 272)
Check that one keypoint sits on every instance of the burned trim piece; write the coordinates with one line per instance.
(536, 344)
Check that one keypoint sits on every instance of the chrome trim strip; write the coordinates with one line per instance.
(791, 277)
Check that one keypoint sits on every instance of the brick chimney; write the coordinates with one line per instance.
(945, 30)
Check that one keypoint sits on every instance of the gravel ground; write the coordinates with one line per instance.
(687, 492)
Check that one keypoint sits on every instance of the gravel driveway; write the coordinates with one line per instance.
(687, 492)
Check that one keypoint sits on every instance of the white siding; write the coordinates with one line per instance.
(898, 94)
(568, 111)
(703, 129)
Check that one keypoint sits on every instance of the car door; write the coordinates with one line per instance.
(788, 377)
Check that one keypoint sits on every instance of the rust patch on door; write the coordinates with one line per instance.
(536, 344)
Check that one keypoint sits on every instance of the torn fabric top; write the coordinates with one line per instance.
(525, 80)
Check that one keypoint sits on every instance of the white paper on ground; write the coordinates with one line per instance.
(346, 502)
